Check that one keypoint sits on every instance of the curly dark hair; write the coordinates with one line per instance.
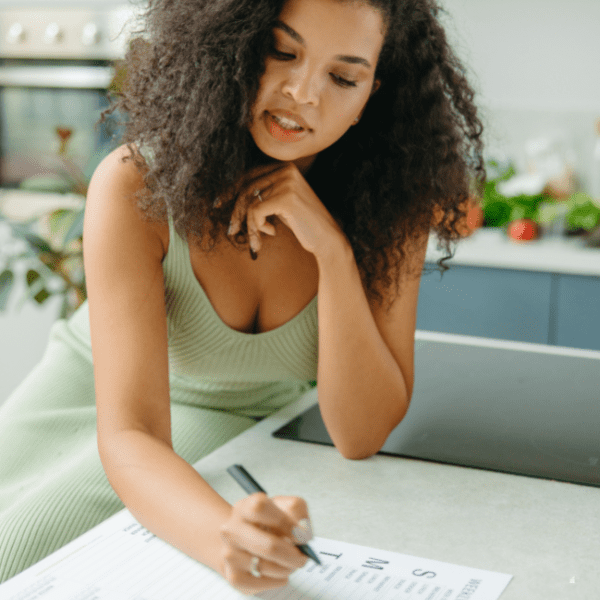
(406, 169)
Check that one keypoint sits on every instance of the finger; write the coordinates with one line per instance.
(259, 216)
(256, 220)
(242, 561)
(264, 170)
(267, 545)
(237, 216)
(246, 583)
(250, 181)
(250, 585)
(264, 512)
(246, 199)
(253, 230)
(267, 228)
(257, 180)
(297, 510)
(261, 510)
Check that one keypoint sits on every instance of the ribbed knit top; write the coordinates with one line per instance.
(214, 366)
(203, 347)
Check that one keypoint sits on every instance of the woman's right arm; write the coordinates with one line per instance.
(123, 264)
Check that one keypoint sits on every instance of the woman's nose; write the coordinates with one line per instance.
(302, 86)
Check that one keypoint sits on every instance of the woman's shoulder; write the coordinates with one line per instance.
(115, 188)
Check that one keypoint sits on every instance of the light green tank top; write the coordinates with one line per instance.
(202, 346)
(214, 366)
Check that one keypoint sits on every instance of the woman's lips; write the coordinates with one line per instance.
(281, 134)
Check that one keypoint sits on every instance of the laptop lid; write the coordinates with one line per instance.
(528, 409)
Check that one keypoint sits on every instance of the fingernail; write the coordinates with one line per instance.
(302, 532)
(230, 230)
(253, 254)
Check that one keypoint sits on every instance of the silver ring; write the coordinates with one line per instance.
(254, 567)
(257, 193)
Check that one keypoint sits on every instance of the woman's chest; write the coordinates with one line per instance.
(262, 295)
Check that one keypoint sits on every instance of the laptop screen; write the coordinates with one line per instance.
(527, 409)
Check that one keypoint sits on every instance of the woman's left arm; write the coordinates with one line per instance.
(366, 355)
(365, 366)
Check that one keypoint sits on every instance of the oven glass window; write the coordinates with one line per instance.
(40, 126)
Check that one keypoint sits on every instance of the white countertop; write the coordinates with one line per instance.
(490, 247)
(545, 533)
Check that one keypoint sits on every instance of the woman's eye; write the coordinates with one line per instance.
(343, 82)
(338, 80)
(282, 55)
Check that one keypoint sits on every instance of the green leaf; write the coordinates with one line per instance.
(583, 216)
(36, 243)
(497, 213)
(508, 174)
(35, 282)
(41, 183)
(547, 213)
(580, 199)
(518, 212)
(42, 296)
(76, 229)
(7, 279)
(58, 219)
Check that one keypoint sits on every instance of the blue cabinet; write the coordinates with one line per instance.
(578, 312)
(527, 306)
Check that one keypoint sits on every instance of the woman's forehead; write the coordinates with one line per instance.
(350, 25)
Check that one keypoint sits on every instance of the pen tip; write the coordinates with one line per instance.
(310, 553)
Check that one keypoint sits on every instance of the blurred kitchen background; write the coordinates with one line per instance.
(534, 65)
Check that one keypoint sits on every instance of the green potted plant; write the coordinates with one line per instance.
(49, 244)
(50, 250)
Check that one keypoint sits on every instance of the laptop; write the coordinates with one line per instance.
(514, 407)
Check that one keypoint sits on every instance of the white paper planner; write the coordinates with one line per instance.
(120, 560)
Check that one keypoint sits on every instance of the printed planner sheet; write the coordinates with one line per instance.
(121, 560)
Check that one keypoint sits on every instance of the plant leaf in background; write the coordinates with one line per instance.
(36, 284)
(500, 210)
(76, 229)
(583, 213)
(37, 244)
(52, 249)
(54, 259)
(53, 241)
(6, 282)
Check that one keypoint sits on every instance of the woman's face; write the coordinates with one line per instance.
(320, 76)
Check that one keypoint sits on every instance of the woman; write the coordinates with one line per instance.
(274, 153)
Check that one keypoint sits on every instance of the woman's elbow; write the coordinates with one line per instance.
(366, 446)
(360, 449)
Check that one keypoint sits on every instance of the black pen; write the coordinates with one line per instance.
(251, 486)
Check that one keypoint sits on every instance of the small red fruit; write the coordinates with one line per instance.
(523, 230)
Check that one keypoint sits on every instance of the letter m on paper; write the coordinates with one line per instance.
(375, 563)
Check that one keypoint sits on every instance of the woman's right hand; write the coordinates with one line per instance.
(269, 529)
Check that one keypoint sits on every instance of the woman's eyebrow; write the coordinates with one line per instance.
(353, 60)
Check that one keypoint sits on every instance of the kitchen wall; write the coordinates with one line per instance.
(61, 3)
(534, 64)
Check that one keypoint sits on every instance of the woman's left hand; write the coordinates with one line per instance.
(285, 194)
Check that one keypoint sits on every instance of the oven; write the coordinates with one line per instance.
(57, 64)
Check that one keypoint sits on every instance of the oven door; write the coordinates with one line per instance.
(50, 139)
